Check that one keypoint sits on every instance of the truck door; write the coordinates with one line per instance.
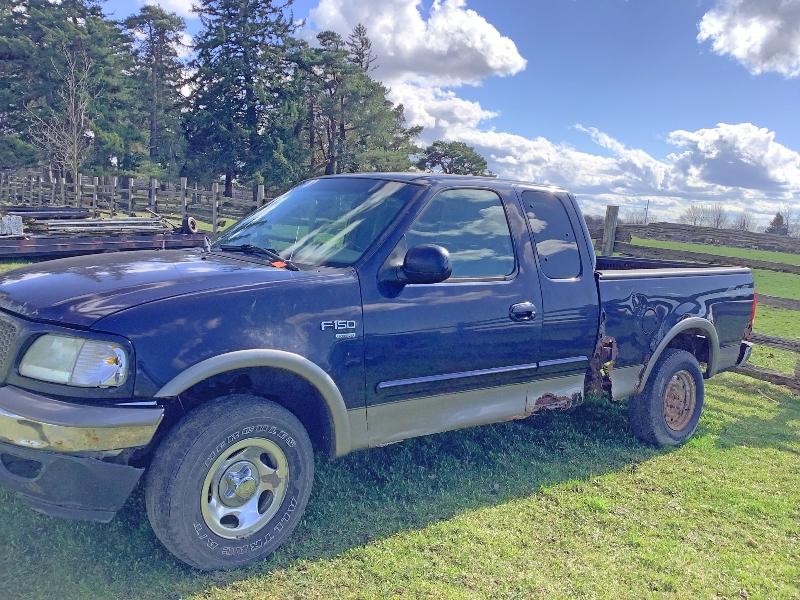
(459, 352)
(570, 306)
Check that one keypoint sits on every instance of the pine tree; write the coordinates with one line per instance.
(157, 38)
(453, 158)
(778, 225)
(241, 68)
(350, 123)
(360, 48)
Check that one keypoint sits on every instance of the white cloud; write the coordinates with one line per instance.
(423, 57)
(739, 164)
(181, 7)
(763, 35)
(451, 45)
(437, 109)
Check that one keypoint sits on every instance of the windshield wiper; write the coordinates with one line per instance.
(251, 249)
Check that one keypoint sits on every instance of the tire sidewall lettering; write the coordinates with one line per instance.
(263, 429)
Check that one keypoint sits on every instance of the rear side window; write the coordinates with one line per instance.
(472, 226)
(553, 234)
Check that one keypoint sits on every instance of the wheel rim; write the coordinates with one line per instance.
(680, 399)
(244, 488)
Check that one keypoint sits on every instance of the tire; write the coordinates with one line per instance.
(230, 482)
(666, 413)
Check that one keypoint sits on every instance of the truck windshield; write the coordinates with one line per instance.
(323, 222)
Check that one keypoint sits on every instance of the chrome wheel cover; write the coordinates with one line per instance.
(244, 488)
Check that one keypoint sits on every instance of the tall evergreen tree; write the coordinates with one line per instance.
(157, 38)
(351, 125)
(360, 48)
(241, 68)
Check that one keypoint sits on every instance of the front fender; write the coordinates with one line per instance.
(279, 359)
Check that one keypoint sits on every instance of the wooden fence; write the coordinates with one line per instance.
(112, 195)
(616, 238)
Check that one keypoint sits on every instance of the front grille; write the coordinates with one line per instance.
(8, 333)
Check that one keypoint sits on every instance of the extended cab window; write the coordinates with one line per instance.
(552, 231)
(472, 226)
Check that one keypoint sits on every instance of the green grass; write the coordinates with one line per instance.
(781, 285)
(768, 255)
(776, 321)
(564, 505)
(567, 505)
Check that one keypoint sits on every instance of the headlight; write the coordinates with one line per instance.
(75, 361)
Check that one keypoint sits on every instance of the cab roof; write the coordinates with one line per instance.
(443, 179)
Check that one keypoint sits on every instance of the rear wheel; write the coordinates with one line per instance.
(230, 482)
(666, 413)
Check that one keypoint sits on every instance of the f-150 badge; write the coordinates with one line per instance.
(340, 326)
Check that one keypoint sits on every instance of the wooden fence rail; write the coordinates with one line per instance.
(617, 238)
(131, 196)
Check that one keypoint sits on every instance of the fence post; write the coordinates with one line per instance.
(184, 199)
(152, 197)
(113, 198)
(95, 185)
(609, 230)
(260, 196)
(79, 191)
(214, 207)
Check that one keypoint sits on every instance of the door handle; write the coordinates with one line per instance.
(524, 311)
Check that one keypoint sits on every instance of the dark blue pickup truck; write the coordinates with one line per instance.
(351, 312)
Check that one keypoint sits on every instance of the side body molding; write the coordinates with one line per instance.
(704, 325)
(279, 359)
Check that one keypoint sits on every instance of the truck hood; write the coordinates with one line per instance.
(80, 291)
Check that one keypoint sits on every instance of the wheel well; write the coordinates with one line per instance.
(694, 341)
(285, 388)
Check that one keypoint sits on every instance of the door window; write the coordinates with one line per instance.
(471, 224)
(552, 231)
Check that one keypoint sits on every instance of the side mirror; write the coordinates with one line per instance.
(426, 263)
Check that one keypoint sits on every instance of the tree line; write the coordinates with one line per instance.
(250, 102)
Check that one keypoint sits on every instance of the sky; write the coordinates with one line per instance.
(620, 101)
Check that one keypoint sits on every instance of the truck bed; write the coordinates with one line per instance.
(643, 299)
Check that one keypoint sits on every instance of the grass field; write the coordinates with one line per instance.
(564, 505)
(768, 255)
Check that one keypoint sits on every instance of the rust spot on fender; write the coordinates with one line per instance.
(598, 379)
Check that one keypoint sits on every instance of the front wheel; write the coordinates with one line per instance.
(666, 413)
(230, 482)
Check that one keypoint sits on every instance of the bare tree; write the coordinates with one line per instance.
(743, 222)
(635, 216)
(64, 136)
(696, 214)
(717, 215)
(792, 219)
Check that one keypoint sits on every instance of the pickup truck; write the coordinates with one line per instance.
(351, 312)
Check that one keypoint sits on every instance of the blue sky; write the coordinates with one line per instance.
(618, 100)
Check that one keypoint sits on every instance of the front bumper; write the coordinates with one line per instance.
(67, 486)
(52, 453)
(33, 421)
